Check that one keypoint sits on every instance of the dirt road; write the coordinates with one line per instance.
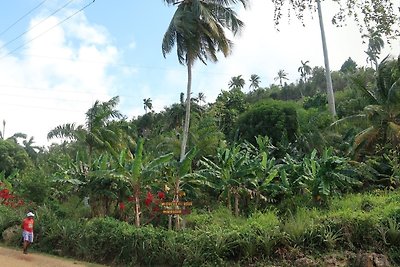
(15, 258)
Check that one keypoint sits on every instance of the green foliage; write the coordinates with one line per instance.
(205, 135)
(316, 101)
(227, 108)
(383, 113)
(354, 222)
(349, 66)
(35, 186)
(8, 217)
(12, 157)
(328, 175)
(276, 119)
(298, 225)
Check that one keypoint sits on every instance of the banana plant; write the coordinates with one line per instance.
(178, 175)
(228, 174)
(265, 170)
(137, 170)
(327, 175)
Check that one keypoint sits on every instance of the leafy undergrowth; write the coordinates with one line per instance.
(347, 225)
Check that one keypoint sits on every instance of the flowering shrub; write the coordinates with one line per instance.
(7, 198)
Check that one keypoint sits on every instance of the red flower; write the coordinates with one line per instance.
(161, 195)
(131, 199)
(147, 202)
(121, 206)
(149, 199)
(5, 193)
(156, 208)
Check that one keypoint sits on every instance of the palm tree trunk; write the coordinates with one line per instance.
(187, 112)
(329, 88)
(4, 130)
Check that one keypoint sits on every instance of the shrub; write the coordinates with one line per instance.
(276, 119)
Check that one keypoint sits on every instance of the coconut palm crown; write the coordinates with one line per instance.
(383, 113)
(197, 29)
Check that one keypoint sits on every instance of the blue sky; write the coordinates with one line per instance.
(114, 48)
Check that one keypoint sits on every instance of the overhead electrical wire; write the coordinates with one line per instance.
(38, 107)
(37, 24)
(21, 18)
(49, 29)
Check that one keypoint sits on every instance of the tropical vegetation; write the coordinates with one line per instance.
(258, 177)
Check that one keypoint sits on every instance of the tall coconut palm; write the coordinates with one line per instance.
(148, 104)
(198, 29)
(201, 97)
(329, 87)
(282, 75)
(304, 70)
(94, 134)
(236, 82)
(254, 81)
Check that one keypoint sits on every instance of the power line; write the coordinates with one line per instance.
(45, 97)
(38, 107)
(58, 91)
(122, 65)
(49, 29)
(37, 24)
(23, 16)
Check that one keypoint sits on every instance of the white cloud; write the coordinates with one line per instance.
(54, 80)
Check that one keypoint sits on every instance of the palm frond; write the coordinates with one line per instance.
(63, 131)
(366, 137)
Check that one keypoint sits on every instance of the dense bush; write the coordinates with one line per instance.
(276, 119)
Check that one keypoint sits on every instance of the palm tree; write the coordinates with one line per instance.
(201, 97)
(383, 114)
(236, 82)
(282, 75)
(329, 87)
(304, 70)
(198, 29)
(147, 103)
(31, 149)
(375, 45)
(95, 133)
(254, 81)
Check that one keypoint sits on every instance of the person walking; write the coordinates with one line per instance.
(27, 230)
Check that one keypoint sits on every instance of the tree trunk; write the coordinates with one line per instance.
(229, 200)
(236, 196)
(4, 130)
(137, 206)
(187, 112)
(329, 88)
(176, 198)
